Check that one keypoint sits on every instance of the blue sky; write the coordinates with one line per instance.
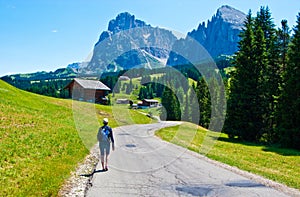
(43, 35)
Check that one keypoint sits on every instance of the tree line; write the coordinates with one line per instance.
(49, 87)
(263, 90)
(264, 101)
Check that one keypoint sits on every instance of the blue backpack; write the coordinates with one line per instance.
(103, 134)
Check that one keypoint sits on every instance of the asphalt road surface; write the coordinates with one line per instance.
(144, 165)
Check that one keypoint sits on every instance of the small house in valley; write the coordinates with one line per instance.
(124, 78)
(88, 90)
(122, 101)
(150, 102)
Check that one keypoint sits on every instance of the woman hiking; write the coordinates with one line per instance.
(105, 137)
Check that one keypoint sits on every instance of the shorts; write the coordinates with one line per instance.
(104, 146)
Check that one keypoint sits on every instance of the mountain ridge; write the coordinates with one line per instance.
(219, 36)
(129, 42)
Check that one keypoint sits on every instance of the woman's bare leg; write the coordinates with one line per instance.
(106, 160)
(102, 161)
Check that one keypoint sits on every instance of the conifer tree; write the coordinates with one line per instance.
(242, 113)
(186, 109)
(193, 105)
(289, 103)
(271, 72)
(283, 35)
(204, 102)
(171, 105)
(129, 87)
(216, 105)
(259, 104)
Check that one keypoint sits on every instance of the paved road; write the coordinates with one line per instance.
(143, 165)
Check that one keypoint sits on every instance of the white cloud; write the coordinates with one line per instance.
(54, 31)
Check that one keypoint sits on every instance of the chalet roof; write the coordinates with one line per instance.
(125, 78)
(90, 84)
(151, 100)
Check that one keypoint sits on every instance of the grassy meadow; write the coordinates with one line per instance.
(42, 140)
(280, 165)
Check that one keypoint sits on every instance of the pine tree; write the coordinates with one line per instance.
(117, 87)
(271, 72)
(194, 115)
(186, 110)
(171, 105)
(242, 112)
(259, 102)
(142, 93)
(150, 94)
(204, 102)
(216, 106)
(283, 35)
(289, 103)
(129, 87)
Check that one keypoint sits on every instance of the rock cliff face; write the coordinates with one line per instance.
(129, 43)
(219, 37)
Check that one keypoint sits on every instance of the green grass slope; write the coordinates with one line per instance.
(39, 142)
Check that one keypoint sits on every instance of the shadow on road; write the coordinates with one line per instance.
(91, 174)
(204, 190)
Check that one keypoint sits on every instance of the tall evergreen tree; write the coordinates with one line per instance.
(150, 94)
(142, 93)
(283, 35)
(204, 102)
(242, 113)
(289, 116)
(259, 101)
(186, 110)
(271, 75)
(129, 87)
(216, 106)
(193, 105)
(171, 105)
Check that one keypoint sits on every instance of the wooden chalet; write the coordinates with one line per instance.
(122, 101)
(149, 102)
(88, 90)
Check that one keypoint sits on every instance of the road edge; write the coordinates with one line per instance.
(257, 178)
(80, 180)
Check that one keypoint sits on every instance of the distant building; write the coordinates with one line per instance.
(134, 106)
(124, 78)
(88, 90)
(122, 101)
(150, 102)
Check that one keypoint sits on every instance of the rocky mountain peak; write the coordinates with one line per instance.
(140, 45)
(231, 15)
(124, 21)
(118, 49)
(219, 37)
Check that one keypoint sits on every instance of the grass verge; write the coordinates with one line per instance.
(280, 165)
